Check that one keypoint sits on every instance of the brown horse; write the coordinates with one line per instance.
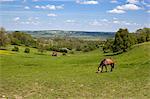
(106, 62)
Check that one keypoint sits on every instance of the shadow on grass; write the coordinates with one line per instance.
(40, 53)
(98, 72)
(113, 54)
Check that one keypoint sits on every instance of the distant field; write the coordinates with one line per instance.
(35, 76)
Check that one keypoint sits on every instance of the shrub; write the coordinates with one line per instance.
(71, 52)
(64, 50)
(78, 48)
(54, 48)
(86, 49)
(64, 54)
(16, 49)
(27, 50)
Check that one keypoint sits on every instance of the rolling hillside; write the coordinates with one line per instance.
(36, 76)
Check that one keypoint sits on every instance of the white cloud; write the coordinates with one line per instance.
(116, 22)
(133, 1)
(16, 19)
(122, 22)
(38, 7)
(104, 20)
(50, 7)
(26, 7)
(122, 8)
(115, 18)
(95, 23)
(113, 1)
(87, 2)
(51, 15)
(117, 11)
(30, 20)
(70, 21)
(126, 23)
(36, 18)
(6, 0)
(148, 11)
(128, 7)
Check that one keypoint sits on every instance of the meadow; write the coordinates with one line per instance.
(41, 76)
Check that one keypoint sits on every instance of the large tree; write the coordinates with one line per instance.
(122, 41)
(143, 35)
(3, 37)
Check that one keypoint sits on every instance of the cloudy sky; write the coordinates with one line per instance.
(82, 15)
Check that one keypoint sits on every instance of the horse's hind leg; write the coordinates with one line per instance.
(111, 69)
(112, 66)
(106, 68)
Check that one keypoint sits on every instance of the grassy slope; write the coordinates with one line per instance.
(42, 76)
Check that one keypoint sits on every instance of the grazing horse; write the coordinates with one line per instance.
(54, 54)
(106, 62)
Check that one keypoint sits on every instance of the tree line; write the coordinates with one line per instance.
(124, 40)
(59, 44)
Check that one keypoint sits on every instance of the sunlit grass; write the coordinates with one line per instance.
(5, 52)
(36, 76)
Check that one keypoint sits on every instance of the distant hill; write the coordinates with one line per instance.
(79, 34)
(52, 33)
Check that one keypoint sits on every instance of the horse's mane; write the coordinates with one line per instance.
(102, 62)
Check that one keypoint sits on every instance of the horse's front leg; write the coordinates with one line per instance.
(98, 68)
(102, 69)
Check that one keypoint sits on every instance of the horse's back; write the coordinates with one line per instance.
(109, 61)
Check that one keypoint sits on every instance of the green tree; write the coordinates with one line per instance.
(16, 49)
(108, 45)
(147, 30)
(18, 38)
(27, 50)
(41, 45)
(4, 40)
(143, 35)
(133, 38)
(122, 41)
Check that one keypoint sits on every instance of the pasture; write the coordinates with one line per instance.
(36, 76)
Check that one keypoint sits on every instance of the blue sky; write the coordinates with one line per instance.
(78, 15)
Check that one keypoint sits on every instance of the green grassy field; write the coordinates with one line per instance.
(35, 76)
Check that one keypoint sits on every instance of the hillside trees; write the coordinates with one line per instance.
(4, 40)
(74, 44)
(143, 35)
(18, 38)
(122, 41)
(108, 45)
(42, 44)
